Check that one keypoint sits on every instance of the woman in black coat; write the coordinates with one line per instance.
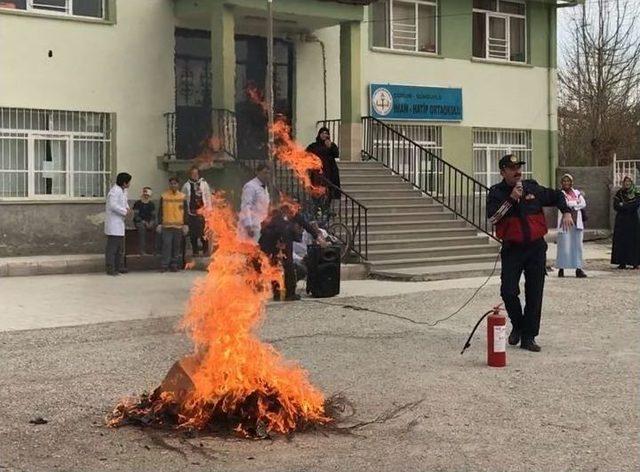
(328, 152)
(626, 233)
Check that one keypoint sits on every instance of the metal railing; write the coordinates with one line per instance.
(334, 129)
(344, 209)
(225, 129)
(170, 127)
(224, 133)
(425, 171)
(625, 168)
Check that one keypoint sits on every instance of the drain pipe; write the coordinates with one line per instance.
(311, 38)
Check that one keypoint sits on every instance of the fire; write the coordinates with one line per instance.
(209, 148)
(288, 151)
(232, 381)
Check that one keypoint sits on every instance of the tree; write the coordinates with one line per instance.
(599, 84)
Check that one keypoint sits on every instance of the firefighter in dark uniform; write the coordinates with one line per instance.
(515, 206)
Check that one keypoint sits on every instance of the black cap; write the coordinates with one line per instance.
(510, 160)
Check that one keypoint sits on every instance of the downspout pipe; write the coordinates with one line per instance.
(310, 38)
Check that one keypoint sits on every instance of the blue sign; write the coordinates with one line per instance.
(405, 102)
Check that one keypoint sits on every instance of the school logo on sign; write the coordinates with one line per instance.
(382, 101)
(415, 103)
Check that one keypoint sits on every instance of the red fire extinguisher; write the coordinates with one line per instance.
(496, 339)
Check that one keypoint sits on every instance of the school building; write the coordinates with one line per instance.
(89, 88)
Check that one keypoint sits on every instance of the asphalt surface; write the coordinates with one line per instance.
(572, 407)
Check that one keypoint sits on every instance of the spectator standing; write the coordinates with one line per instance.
(255, 204)
(198, 197)
(570, 240)
(626, 232)
(328, 153)
(144, 217)
(172, 218)
(116, 209)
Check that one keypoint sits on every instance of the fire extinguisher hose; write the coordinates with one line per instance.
(468, 343)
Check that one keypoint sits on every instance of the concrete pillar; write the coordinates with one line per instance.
(223, 56)
(350, 91)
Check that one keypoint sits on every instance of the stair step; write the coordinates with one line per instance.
(398, 222)
(428, 243)
(433, 261)
(362, 164)
(370, 177)
(374, 193)
(375, 185)
(416, 199)
(380, 173)
(385, 214)
(376, 255)
(401, 234)
(405, 207)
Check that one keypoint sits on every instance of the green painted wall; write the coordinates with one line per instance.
(457, 150)
(455, 28)
(457, 147)
(541, 158)
(223, 57)
(538, 34)
(350, 71)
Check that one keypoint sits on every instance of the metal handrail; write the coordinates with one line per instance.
(334, 128)
(345, 209)
(446, 184)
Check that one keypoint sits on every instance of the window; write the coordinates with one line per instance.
(499, 30)
(80, 8)
(405, 25)
(54, 154)
(489, 145)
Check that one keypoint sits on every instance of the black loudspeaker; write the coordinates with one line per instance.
(323, 271)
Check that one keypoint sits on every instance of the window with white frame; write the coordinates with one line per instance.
(406, 158)
(80, 8)
(51, 154)
(407, 25)
(499, 30)
(489, 145)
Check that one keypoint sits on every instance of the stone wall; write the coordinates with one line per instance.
(51, 228)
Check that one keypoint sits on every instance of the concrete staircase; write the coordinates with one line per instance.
(408, 230)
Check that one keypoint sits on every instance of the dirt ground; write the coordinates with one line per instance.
(572, 407)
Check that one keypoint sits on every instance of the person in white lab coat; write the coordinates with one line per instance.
(117, 209)
(255, 204)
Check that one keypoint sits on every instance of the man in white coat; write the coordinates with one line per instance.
(117, 209)
(255, 204)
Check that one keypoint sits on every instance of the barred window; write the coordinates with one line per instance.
(409, 25)
(489, 145)
(52, 154)
(81, 8)
(499, 30)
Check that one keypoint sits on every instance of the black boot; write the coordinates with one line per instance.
(580, 274)
(514, 337)
(561, 273)
(622, 266)
(530, 345)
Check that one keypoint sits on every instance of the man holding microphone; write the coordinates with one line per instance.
(515, 207)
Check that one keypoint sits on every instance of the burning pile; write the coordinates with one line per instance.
(232, 382)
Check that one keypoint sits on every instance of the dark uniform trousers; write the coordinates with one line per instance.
(529, 258)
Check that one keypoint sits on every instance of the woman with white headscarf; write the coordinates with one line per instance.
(570, 241)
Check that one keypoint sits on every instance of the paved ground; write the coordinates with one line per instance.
(572, 407)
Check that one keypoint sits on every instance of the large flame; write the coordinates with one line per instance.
(237, 381)
(303, 164)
